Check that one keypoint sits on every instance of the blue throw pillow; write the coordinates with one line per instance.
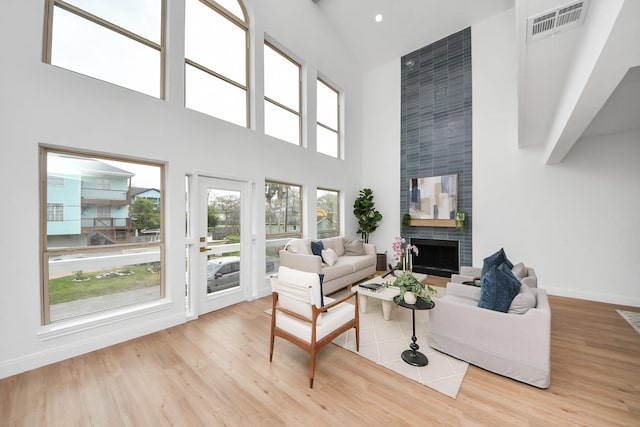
(498, 288)
(495, 260)
(316, 248)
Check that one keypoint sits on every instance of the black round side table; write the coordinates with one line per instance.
(413, 356)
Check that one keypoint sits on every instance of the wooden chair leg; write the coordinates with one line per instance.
(357, 337)
(312, 369)
(271, 347)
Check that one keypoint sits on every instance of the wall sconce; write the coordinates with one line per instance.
(461, 218)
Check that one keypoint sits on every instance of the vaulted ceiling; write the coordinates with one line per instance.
(581, 82)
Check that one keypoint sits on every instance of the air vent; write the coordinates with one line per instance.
(554, 21)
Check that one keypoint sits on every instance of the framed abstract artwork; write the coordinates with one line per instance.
(433, 198)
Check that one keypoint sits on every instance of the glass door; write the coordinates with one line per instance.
(221, 241)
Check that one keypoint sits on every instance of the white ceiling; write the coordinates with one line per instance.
(407, 25)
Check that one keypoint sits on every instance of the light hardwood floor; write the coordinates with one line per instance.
(216, 371)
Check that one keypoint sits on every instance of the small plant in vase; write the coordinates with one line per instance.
(411, 288)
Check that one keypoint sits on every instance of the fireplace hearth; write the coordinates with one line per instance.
(436, 257)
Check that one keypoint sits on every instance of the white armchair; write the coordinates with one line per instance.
(299, 316)
(513, 345)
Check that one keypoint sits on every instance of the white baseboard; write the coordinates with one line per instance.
(595, 296)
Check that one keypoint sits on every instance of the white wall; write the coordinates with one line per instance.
(49, 105)
(381, 149)
(569, 221)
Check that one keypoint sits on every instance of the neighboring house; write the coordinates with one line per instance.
(326, 225)
(87, 202)
(152, 194)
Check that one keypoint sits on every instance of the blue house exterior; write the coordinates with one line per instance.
(87, 201)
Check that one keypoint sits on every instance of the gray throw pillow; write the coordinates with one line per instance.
(354, 247)
(524, 301)
(520, 271)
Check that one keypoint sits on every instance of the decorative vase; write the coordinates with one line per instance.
(410, 297)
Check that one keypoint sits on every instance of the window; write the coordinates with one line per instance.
(55, 212)
(103, 184)
(104, 212)
(283, 219)
(119, 42)
(282, 100)
(216, 51)
(328, 133)
(98, 253)
(328, 213)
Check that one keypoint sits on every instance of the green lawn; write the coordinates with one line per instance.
(64, 289)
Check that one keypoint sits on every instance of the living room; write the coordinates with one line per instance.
(555, 215)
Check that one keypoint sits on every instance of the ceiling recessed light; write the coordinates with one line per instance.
(378, 17)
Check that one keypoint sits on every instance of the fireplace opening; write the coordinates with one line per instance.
(436, 257)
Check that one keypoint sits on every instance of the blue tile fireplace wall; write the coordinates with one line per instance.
(436, 129)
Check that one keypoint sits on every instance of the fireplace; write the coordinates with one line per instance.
(436, 257)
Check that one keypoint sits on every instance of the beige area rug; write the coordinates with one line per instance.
(632, 317)
(383, 341)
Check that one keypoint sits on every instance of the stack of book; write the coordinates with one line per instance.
(374, 287)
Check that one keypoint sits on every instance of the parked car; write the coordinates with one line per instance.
(223, 273)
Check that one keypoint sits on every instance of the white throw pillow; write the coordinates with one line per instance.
(298, 246)
(329, 256)
(525, 300)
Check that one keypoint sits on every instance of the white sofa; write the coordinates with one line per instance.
(347, 269)
(514, 345)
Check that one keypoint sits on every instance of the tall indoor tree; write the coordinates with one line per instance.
(366, 214)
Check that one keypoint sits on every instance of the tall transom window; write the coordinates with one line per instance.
(216, 52)
(118, 41)
(282, 100)
(328, 131)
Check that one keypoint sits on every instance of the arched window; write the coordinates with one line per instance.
(118, 41)
(216, 52)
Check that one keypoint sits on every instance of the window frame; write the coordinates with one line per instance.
(48, 36)
(244, 25)
(325, 126)
(300, 100)
(46, 252)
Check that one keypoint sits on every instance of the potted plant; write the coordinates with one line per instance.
(411, 288)
(366, 214)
